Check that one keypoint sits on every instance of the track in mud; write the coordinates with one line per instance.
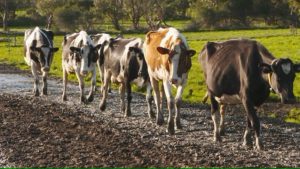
(43, 132)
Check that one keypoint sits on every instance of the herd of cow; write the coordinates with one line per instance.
(235, 71)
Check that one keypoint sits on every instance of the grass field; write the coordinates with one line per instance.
(280, 42)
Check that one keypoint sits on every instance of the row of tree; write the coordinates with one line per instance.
(69, 15)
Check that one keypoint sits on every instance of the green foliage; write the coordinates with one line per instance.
(66, 18)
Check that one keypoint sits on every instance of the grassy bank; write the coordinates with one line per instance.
(279, 41)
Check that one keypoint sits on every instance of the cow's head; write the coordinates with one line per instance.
(85, 55)
(43, 55)
(179, 59)
(136, 64)
(282, 73)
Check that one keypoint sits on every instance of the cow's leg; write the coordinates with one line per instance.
(215, 118)
(222, 113)
(247, 134)
(170, 101)
(93, 86)
(107, 76)
(122, 97)
(65, 81)
(251, 115)
(129, 98)
(177, 107)
(36, 80)
(159, 115)
(101, 75)
(45, 74)
(149, 101)
(81, 87)
(162, 96)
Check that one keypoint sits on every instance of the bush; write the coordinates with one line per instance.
(66, 18)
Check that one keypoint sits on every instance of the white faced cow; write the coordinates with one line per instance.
(79, 56)
(38, 54)
(168, 59)
(243, 71)
(123, 63)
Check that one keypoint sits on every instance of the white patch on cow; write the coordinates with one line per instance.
(229, 99)
(286, 68)
(174, 34)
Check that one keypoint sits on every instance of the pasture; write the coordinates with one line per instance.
(280, 42)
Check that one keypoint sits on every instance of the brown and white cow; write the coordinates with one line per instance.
(168, 59)
(123, 63)
(38, 54)
(243, 71)
(79, 56)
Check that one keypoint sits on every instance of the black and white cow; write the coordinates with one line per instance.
(123, 63)
(79, 56)
(243, 71)
(99, 39)
(38, 54)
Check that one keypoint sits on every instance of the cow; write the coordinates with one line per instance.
(38, 54)
(123, 64)
(100, 38)
(168, 58)
(79, 56)
(243, 71)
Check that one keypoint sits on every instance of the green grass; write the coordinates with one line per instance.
(280, 42)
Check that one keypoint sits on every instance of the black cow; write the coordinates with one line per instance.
(243, 71)
(123, 62)
(38, 54)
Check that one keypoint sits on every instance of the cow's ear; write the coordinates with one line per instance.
(74, 49)
(163, 51)
(97, 47)
(54, 49)
(210, 48)
(191, 53)
(297, 67)
(265, 68)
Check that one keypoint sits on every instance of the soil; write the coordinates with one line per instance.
(45, 132)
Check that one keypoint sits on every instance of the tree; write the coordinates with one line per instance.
(7, 11)
(113, 9)
(47, 7)
(134, 9)
(66, 18)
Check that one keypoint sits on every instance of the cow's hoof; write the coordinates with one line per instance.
(258, 145)
(217, 138)
(64, 98)
(171, 129)
(127, 113)
(222, 132)
(102, 107)
(109, 90)
(36, 93)
(159, 121)
(178, 125)
(151, 114)
(45, 93)
(90, 98)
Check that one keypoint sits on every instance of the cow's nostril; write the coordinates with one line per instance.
(174, 81)
(83, 73)
(45, 69)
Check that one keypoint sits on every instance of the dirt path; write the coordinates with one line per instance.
(43, 132)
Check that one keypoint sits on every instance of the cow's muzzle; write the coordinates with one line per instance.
(45, 69)
(84, 73)
(174, 81)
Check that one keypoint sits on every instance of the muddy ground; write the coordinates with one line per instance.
(44, 132)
